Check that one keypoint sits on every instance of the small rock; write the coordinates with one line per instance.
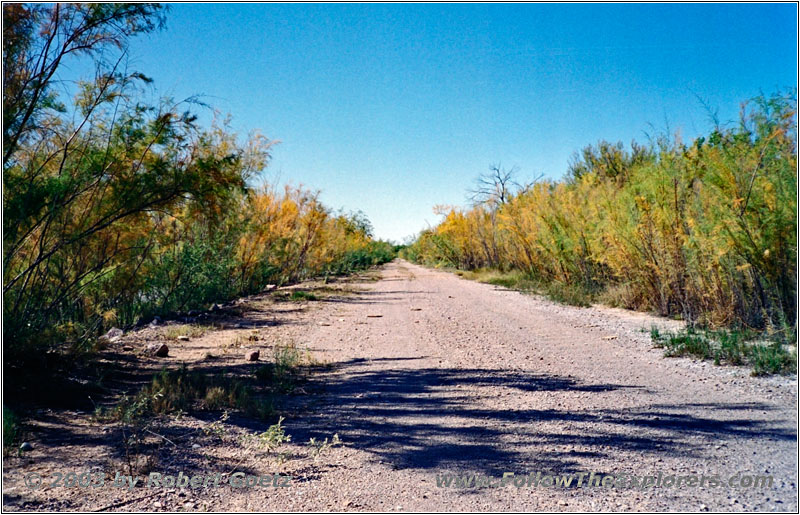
(183, 338)
(156, 504)
(215, 307)
(193, 313)
(26, 446)
(195, 446)
(252, 355)
(324, 323)
(416, 309)
(341, 320)
(127, 348)
(113, 334)
(374, 316)
(158, 349)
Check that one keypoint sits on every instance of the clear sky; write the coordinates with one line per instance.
(393, 108)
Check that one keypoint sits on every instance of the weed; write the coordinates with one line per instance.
(281, 373)
(656, 337)
(303, 295)
(317, 448)
(172, 332)
(572, 294)
(11, 428)
(173, 391)
(732, 347)
(772, 359)
(273, 437)
(217, 428)
(268, 441)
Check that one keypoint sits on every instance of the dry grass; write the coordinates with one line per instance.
(172, 332)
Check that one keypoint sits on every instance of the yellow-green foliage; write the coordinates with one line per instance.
(115, 210)
(706, 231)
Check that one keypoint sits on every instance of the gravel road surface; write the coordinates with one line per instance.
(438, 375)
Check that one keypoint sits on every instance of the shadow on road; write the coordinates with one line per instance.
(457, 419)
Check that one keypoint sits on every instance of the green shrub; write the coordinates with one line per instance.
(11, 428)
(303, 295)
(732, 347)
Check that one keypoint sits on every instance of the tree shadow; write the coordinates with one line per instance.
(455, 419)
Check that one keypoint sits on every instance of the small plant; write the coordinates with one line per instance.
(772, 359)
(172, 332)
(173, 391)
(286, 359)
(271, 439)
(656, 337)
(11, 428)
(218, 428)
(572, 294)
(731, 346)
(303, 295)
(688, 342)
(316, 448)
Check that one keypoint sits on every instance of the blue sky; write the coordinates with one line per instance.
(392, 108)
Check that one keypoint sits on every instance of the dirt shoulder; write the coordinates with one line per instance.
(423, 374)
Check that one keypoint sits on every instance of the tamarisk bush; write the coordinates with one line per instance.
(705, 231)
(115, 209)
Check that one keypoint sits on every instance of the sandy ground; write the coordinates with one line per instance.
(430, 375)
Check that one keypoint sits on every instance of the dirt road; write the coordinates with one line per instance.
(462, 377)
(433, 375)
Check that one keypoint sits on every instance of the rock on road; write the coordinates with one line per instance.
(435, 375)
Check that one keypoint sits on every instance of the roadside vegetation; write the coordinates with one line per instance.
(704, 231)
(184, 391)
(145, 417)
(117, 209)
(732, 347)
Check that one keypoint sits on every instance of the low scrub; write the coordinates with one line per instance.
(733, 347)
(281, 374)
(11, 429)
(184, 390)
(572, 294)
(172, 332)
(302, 295)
